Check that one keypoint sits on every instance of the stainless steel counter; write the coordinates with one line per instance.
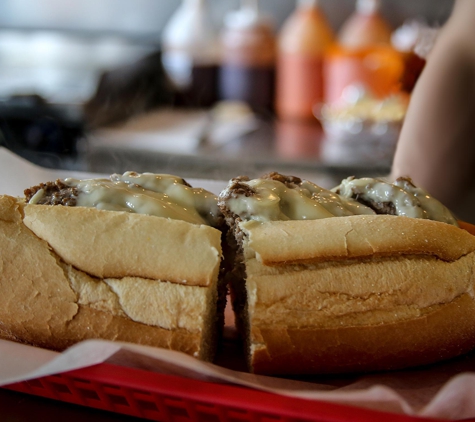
(286, 147)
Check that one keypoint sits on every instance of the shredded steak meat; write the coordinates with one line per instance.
(55, 193)
(378, 207)
(185, 183)
(238, 188)
(289, 181)
(405, 180)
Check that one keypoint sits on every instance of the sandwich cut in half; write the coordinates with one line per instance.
(368, 276)
(132, 258)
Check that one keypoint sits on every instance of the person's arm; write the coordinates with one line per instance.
(436, 147)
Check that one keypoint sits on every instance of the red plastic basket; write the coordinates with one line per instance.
(168, 398)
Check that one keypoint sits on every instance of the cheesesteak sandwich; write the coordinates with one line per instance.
(132, 258)
(364, 277)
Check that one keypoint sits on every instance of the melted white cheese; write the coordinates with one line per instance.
(160, 195)
(408, 200)
(273, 200)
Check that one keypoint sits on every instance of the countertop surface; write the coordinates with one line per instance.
(293, 148)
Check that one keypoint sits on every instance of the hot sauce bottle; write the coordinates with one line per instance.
(302, 43)
(363, 56)
(365, 27)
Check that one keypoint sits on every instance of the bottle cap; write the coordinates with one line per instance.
(308, 3)
(368, 7)
(247, 16)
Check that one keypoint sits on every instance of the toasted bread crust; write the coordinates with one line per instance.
(130, 244)
(309, 241)
(353, 294)
(443, 332)
(46, 301)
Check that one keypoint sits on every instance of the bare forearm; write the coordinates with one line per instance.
(437, 143)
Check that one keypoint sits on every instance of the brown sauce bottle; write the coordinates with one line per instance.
(248, 59)
(190, 54)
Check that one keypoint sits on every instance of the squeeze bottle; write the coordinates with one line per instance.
(363, 56)
(190, 53)
(365, 27)
(303, 40)
(248, 62)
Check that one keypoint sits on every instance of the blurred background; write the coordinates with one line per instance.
(212, 88)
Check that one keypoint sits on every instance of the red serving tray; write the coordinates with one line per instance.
(169, 398)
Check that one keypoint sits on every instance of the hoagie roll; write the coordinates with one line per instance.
(368, 276)
(132, 258)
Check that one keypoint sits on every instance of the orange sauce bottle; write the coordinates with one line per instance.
(302, 43)
(363, 56)
(365, 27)
(376, 69)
